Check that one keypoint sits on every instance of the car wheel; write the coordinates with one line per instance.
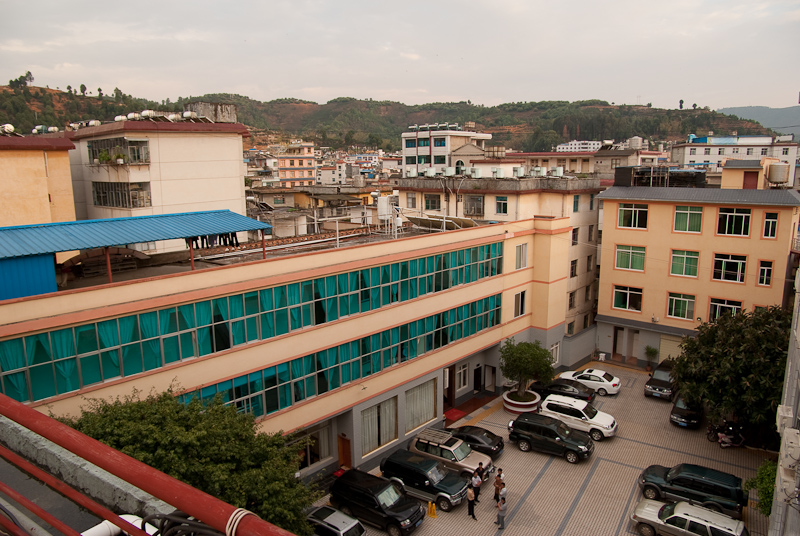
(572, 456)
(524, 446)
(712, 506)
(596, 435)
(645, 529)
(602, 392)
(443, 504)
(394, 530)
(651, 493)
(346, 511)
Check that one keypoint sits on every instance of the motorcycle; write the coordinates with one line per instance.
(715, 429)
(731, 436)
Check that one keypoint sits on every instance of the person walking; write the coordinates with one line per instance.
(471, 502)
(501, 513)
(498, 485)
(476, 485)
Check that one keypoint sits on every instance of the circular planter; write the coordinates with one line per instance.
(515, 408)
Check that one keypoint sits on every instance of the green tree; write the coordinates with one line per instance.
(736, 364)
(69, 89)
(764, 484)
(100, 92)
(681, 104)
(373, 140)
(83, 89)
(350, 137)
(525, 361)
(694, 106)
(209, 446)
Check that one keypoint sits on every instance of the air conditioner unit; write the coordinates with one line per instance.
(784, 418)
(519, 171)
(411, 173)
(790, 448)
(430, 172)
(449, 171)
(500, 173)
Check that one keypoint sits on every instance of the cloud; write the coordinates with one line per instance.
(409, 56)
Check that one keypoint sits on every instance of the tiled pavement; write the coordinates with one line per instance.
(548, 496)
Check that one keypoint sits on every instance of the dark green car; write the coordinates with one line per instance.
(695, 484)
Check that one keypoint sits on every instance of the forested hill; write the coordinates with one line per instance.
(783, 120)
(528, 126)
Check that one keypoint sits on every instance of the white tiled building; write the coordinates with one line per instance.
(427, 146)
(578, 146)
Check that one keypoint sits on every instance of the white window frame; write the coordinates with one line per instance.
(629, 253)
(628, 292)
(770, 225)
(765, 273)
(719, 306)
(638, 212)
(521, 261)
(684, 255)
(730, 218)
(678, 299)
(462, 376)
(689, 211)
(725, 263)
(519, 303)
(420, 405)
(555, 353)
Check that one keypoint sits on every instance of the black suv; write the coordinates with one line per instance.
(660, 383)
(546, 434)
(696, 484)
(425, 479)
(377, 501)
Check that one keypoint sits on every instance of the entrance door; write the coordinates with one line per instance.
(477, 379)
(345, 458)
(750, 180)
(449, 388)
(489, 378)
(617, 348)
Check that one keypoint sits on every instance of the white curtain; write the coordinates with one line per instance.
(420, 404)
(369, 430)
(378, 425)
(388, 420)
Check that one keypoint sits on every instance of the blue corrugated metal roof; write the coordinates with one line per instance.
(44, 238)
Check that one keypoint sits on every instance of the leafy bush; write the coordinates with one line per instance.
(764, 484)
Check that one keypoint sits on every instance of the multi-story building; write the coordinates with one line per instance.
(433, 146)
(157, 166)
(357, 347)
(576, 146)
(297, 165)
(712, 151)
(672, 258)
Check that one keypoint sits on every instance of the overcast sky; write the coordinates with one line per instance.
(713, 53)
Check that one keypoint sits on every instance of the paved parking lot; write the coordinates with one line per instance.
(549, 496)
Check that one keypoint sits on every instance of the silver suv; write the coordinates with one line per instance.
(454, 453)
(655, 517)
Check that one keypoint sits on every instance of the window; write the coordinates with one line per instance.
(630, 258)
(749, 150)
(576, 203)
(591, 201)
(131, 151)
(378, 425)
(764, 151)
(473, 205)
(556, 353)
(501, 204)
(770, 225)
(424, 142)
(684, 262)
(291, 176)
(633, 215)
(440, 159)
(279, 199)
(721, 307)
(729, 267)
(410, 144)
(433, 202)
(421, 404)
(462, 376)
(628, 298)
(616, 162)
(589, 266)
(591, 233)
(575, 236)
(411, 200)
(707, 150)
(681, 306)
(688, 219)
(291, 162)
(587, 295)
(721, 150)
(519, 304)
(734, 221)
(424, 159)
(735, 150)
(439, 142)
(411, 160)
(319, 446)
(785, 151)
(765, 273)
(521, 256)
(121, 194)
(693, 150)
(571, 328)
(571, 300)
(573, 268)
(585, 321)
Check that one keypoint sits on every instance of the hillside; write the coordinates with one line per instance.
(783, 120)
(528, 126)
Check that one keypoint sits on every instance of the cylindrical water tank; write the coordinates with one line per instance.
(778, 173)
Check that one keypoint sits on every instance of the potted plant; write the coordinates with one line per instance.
(524, 362)
(119, 156)
(652, 354)
(104, 157)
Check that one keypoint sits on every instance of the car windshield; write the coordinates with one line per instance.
(564, 430)
(661, 374)
(462, 451)
(389, 496)
(436, 474)
(672, 472)
(590, 411)
(487, 436)
(355, 530)
(608, 377)
(666, 511)
(681, 403)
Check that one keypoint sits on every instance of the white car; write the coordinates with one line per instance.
(599, 380)
(579, 415)
(657, 518)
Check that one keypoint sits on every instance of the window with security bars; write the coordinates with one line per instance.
(121, 194)
(630, 258)
(681, 306)
(688, 219)
(473, 205)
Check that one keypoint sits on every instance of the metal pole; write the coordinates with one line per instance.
(191, 254)
(108, 265)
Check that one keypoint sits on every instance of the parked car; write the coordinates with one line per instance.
(599, 380)
(654, 517)
(377, 501)
(455, 454)
(425, 479)
(480, 439)
(696, 484)
(562, 386)
(683, 414)
(532, 431)
(660, 383)
(579, 415)
(328, 521)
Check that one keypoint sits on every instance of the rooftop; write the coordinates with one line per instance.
(712, 196)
